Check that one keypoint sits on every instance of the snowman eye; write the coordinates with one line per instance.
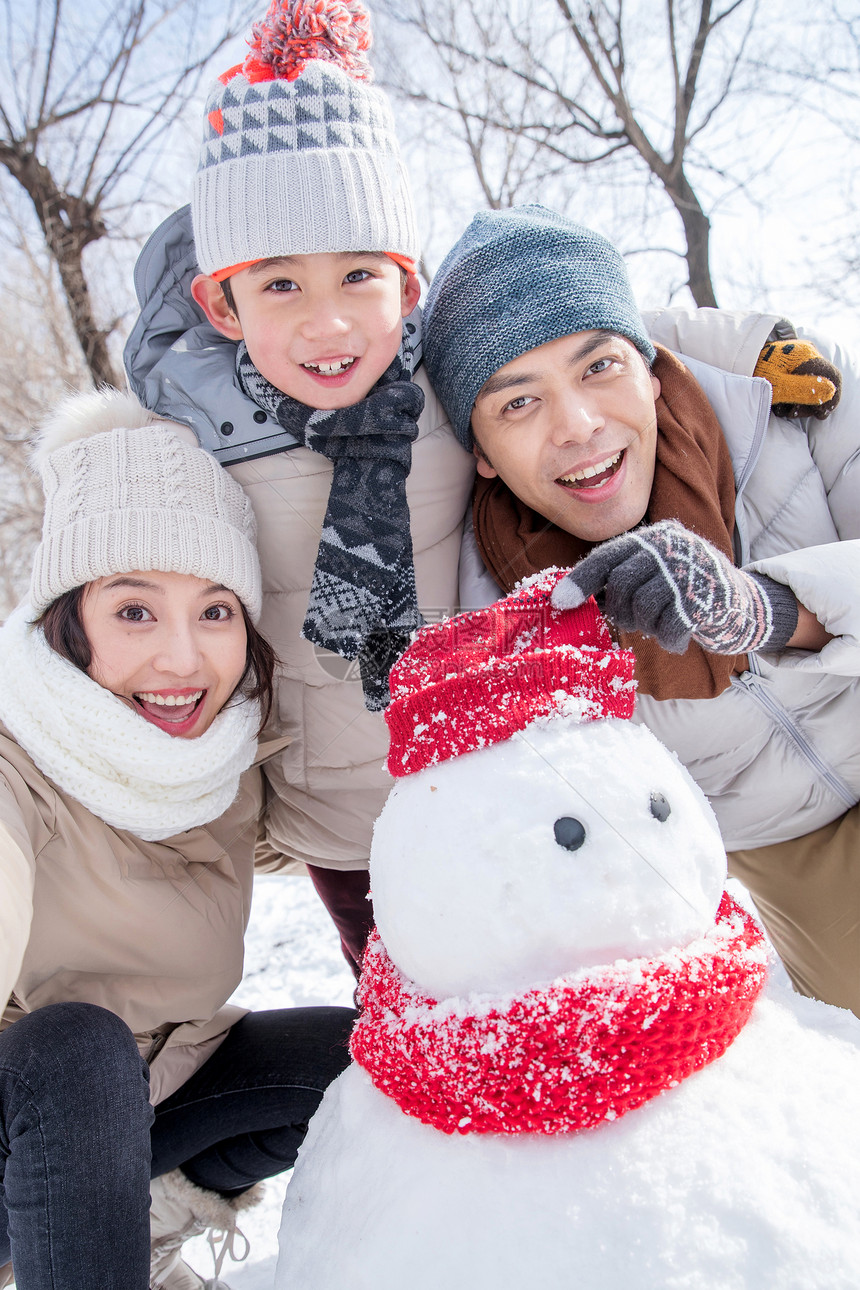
(569, 833)
(660, 808)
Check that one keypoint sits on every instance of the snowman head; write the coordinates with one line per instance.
(550, 834)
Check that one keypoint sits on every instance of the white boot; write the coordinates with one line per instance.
(182, 1277)
(180, 1210)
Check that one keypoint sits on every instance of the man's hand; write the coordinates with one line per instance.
(669, 583)
(804, 383)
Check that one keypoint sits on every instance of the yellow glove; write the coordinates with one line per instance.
(804, 383)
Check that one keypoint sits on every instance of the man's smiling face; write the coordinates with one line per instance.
(571, 428)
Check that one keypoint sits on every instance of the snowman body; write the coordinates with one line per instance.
(570, 846)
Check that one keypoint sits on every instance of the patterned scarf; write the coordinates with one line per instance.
(693, 483)
(363, 603)
(583, 1050)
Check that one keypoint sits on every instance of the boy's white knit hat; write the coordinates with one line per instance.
(299, 153)
(125, 493)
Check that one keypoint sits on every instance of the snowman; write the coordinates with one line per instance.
(568, 1069)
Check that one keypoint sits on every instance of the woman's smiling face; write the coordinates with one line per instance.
(170, 645)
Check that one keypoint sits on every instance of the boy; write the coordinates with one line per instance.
(295, 368)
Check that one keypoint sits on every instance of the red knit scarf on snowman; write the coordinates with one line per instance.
(585, 1049)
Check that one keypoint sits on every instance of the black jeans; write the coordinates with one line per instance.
(78, 1143)
(242, 1116)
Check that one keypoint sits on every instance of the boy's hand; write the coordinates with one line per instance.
(669, 583)
(804, 383)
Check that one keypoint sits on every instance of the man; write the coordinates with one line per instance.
(719, 537)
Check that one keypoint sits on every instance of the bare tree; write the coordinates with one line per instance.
(642, 93)
(40, 361)
(88, 95)
(825, 86)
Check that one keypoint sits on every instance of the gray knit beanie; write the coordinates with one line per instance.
(516, 279)
(299, 152)
(124, 493)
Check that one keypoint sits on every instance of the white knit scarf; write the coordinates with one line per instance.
(109, 758)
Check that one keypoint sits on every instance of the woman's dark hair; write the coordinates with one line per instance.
(64, 631)
(259, 674)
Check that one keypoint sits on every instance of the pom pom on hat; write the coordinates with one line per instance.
(294, 32)
(477, 679)
(78, 416)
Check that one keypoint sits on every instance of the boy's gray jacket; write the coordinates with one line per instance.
(778, 753)
(330, 784)
(152, 931)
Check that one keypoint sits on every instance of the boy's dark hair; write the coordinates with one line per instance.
(64, 631)
(228, 296)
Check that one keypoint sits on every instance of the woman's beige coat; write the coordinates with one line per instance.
(152, 931)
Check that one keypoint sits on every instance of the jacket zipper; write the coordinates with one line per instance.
(740, 543)
(757, 689)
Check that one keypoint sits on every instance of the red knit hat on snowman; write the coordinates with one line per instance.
(476, 679)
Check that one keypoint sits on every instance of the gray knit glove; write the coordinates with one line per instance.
(666, 582)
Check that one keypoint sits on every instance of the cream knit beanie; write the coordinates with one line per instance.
(123, 492)
(299, 153)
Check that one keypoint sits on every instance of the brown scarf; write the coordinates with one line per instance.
(693, 483)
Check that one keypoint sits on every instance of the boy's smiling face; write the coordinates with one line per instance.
(322, 328)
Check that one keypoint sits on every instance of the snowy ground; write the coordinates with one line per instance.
(292, 958)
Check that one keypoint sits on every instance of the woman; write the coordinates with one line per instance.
(132, 689)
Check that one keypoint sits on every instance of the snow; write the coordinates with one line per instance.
(747, 1163)
(292, 959)
(472, 892)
